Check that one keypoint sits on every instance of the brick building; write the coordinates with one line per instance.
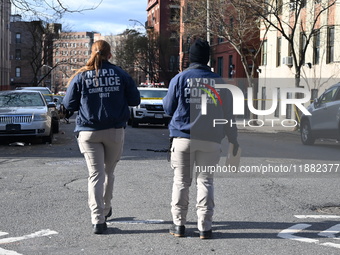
(163, 21)
(225, 60)
(71, 51)
(26, 52)
(5, 10)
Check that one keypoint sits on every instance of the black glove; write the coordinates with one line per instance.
(235, 149)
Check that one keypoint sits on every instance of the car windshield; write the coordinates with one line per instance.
(20, 100)
(152, 93)
(45, 92)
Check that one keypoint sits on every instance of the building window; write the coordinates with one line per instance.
(220, 66)
(289, 106)
(231, 23)
(316, 48)
(174, 14)
(278, 51)
(17, 38)
(264, 97)
(17, 54)
(264, 53)
(279, 7)
(330, 45)
(220, 38)
(303, 42)
(172, 63)
(297, 4)
(277, 111)
(290, 45)
(231, 67)
(17, 72)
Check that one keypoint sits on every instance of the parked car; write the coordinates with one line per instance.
(325, 119)
(150, 110)
(25, 113)
(47, 93)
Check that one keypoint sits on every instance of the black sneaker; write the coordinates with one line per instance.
(178, 231)
(99, 228)
(206, 234)
(109, 214)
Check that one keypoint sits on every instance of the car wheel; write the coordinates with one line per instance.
(55, 126)
(306, 133)
(166, 124)
(49, 138)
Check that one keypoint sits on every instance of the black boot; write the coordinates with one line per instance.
(99, 228)
(178, 231)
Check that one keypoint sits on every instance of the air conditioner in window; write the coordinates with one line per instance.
(287, 60)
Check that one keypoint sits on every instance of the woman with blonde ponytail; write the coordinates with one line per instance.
(101, 92)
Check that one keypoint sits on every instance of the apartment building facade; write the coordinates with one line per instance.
(5, 11)
(225, 60)
(71, 51)
(26, 51)
(320, 61)
(163, 19)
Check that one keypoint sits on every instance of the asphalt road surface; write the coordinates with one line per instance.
(291, 210)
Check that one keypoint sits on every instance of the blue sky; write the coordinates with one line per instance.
(110, 17)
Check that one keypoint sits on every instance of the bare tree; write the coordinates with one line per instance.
(228, 20)
(147, 53)
(131, 52)
(314, 79)
(49, 9)
(298, 21)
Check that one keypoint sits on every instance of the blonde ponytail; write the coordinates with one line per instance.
(100, 51)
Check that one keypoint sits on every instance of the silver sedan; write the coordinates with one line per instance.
(25, 113)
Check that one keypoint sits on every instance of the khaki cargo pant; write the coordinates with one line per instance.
(102, 150)
(185, 154)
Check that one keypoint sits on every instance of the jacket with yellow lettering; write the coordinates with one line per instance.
(102, 100)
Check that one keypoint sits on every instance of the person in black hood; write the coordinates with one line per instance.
(195, 141)
(199, 52)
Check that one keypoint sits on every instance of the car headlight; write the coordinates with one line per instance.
(142, 106)
(40, 117)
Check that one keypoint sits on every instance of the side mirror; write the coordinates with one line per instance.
(316, 102)
(51, 105)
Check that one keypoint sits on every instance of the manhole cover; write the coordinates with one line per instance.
(329, 209)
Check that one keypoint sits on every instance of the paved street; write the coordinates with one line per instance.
(43, 197)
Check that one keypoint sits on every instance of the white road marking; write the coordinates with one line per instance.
(8, 252)
(334, 245)
(317, 216)
(288, 233)
(331, 232)
(3, 233)
(44, 232)
(135, 222)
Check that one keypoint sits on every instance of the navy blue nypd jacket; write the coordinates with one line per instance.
(102, 102)
(184, 102)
